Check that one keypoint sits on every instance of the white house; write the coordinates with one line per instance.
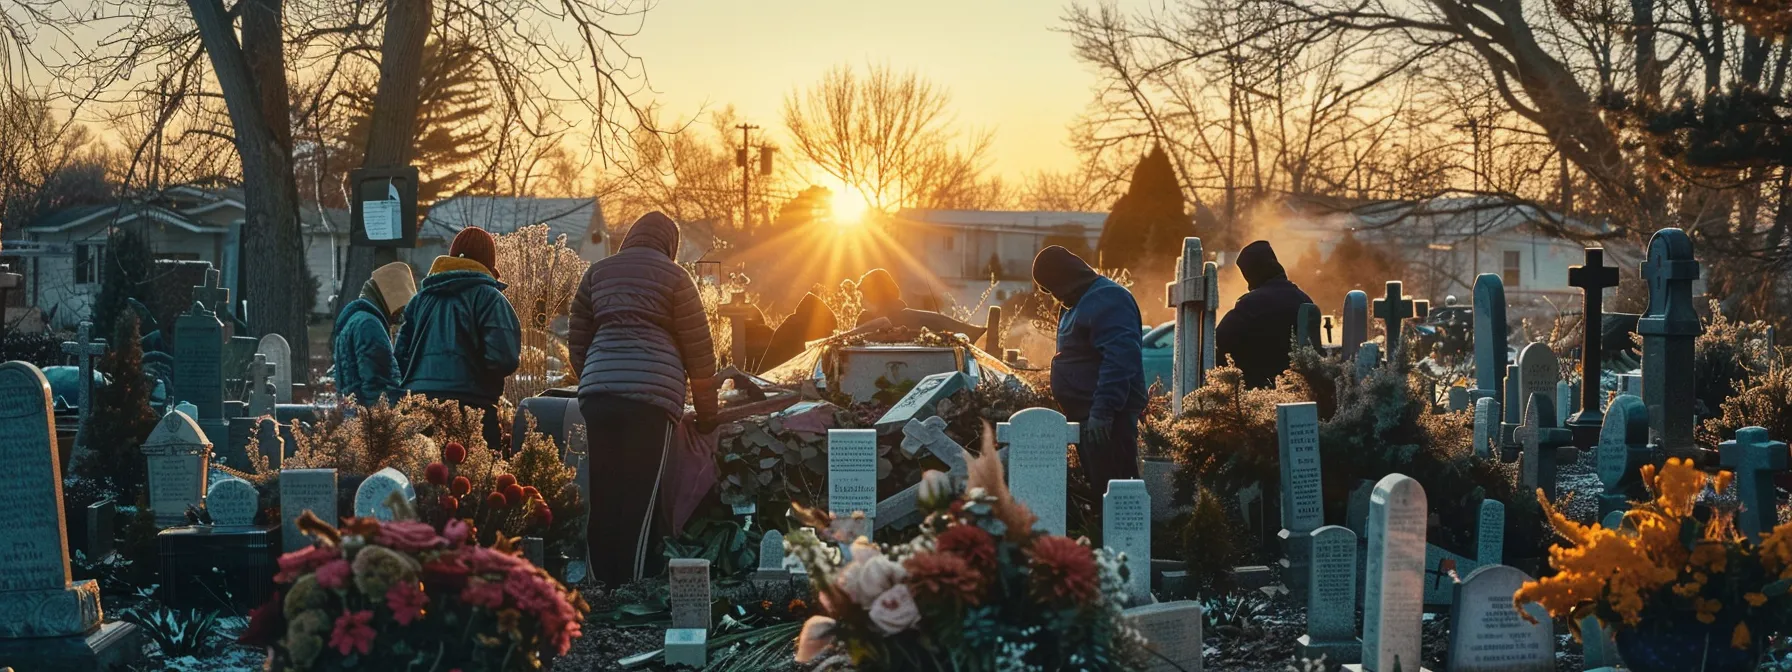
(954, 254)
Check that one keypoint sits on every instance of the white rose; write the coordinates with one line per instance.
(865, 580)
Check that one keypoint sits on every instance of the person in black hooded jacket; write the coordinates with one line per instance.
(1259, 330)
(1098, 376)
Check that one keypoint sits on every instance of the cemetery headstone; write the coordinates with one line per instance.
(1513, 406)
(1459, 398)
(261, 385)
(178, 458)
(1599, 651)
(1490, 533)
(1623, 450)
(210, 294)
(304, 490)
(1668, 327)
(370, 498)
(279, 353)
(930, 435)
(771, 558)
(199, 362)
(1038, 442)
(1172, 632)
(100, 519)
(85, 349)
(35, 590)
(688, 579)
(1756, 460)
(1564, 400)
(1356, 321)
(1331, 600)
(1126, 528)
(1306, 326)
(1541, 436)
(921, 400)
(852, 474)
(1538, 373)
(1487, 426)
(1368, 356)
(1393, 597)
(688, 647)
(1188, 295)
(1593, 277)
(1393, 310)
(1490, 335)
(1488, 635)
(1303, 502)
(232, 502)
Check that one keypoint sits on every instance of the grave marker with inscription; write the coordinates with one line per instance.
(1668, 327)
(1126, 528)
(1488, 635)
(304, 490)
(1172, 632)
(1331, 599)
(688, 583)
(1303, 500)
(1038, 442)
(35, 591)
(279, 353)
(178, 458)
(370, 498)
(1394, 595)
(1623, 450)
(199, 362)
(852, 475)
(232, 502)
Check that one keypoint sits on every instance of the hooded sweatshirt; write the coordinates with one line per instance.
(1259, 330)
(361, 343)
(883, 301)
(460, 338)
(1098, 371)
(638, 330)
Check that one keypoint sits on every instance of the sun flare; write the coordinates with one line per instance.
(847, 206)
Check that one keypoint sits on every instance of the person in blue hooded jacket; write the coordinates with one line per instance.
(361, 344)
(461, 338)
(1098, 376)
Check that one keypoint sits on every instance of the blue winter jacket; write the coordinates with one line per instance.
(460, 338)
(362, 351)
(1098, 371)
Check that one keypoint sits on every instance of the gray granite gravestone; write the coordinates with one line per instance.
(304, 490)
(1490, 335)
(1488, 635)
(1331, 599)
(1303, 501)
(1368, 356)
(1393, 595)
(199, 362)
(1593, 277)
(1038, 441)
(1538, 373)
(852, 474)
(1393, 310)
(771, 558)
(1487, 426)
(921, 400)
(279, 353)
(1513, 407)
(1541, 436)
(1126, 528)
(1188, 296)
(688, 580)
(101, 517)
(370, 498)
(1668, 327)
(1623, 450)
(1755, 459)
(1172, 632)
(1459, 398)
(1306, 326)
(178, 458)
(1356, 322)
(232, 502)
(1490, 533)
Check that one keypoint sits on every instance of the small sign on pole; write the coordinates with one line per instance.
(383, 212)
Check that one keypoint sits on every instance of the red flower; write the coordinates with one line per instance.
(454, 453)
(969, 542)
(334, 574)
(406, 602)
(544, 514)
(943, 576)
(409, 536)
(300, 562)
(495, 500)
(483, 593)
(1063, 569)
(436, 473)
(530, 493)
(267, 623)
(505, 481)
(461, 486)
(513, 494)
(450, 504)
(352, 632)
(445, 575)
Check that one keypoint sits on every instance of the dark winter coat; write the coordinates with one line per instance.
(1259, 330)
(638, 329)
(362, 350)
(460, 338)
(1098, 372)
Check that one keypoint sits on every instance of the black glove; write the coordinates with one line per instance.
(1096, 433)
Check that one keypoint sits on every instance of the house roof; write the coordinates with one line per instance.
(1042, 221)
(576, 218)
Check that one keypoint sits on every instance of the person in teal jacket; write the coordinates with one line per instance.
(361, 344)
(460, 338)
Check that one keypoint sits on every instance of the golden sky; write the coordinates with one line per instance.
(1005, 67)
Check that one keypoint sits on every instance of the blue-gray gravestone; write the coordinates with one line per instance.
(1755, 459)
(1331, 599)
(35, 592)
(1038, 441)
(1623, 450)
(1303, 499)
(1488, 635)
(1126, 528)
(1541, 437)
(199, 361)
(852, 475)
(1668, 327)
(1394, 595)
(1487, 426)
(1592, 277)
(1490, 335)
(1356, 322)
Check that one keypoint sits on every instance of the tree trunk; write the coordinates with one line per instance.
(271, 241)
(392, 127)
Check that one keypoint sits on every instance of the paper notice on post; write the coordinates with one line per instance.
(381, 217)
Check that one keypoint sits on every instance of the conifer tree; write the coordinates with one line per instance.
(122, 418)
(124, 276)
(1145, 229)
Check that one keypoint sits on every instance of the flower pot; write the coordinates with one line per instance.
(1677, 642)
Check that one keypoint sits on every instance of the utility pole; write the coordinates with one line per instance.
(741, 157)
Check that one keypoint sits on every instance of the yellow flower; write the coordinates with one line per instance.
(507, 622)
(1755, 599)
(1722, 482)
(1707, 609)
(1711, 555)
(1687, 589)
(1740, 638)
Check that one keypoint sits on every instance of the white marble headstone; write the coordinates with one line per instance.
(279, 353)
(1488, 635)
(852, 474)
(178, 457)
(688, 580)
(1297, 435)
(1126, 528)
(370, 498)
(1394, 595)
(1038, 463)
(232, 502)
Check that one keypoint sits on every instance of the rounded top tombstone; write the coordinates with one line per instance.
(1626, 426)
(177, 431)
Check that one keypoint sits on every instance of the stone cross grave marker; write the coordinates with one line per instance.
(1356, 322)
(1306, 326)
(771, 558)
(261, 386)
(1755, 459)
(1513, 406)
(1538, 372)
(1188, 295)
(1393, 310)
(930, 435)
(1668, 327)
(370, 498)
(1172, 632)
(1368, 356)
(1487, 426)
(926, 393)
(232, 502)
(1593, 277)
(739, 312)
(688, 579)
(1623, 450)
(1038, 442)
(304, 490)
(1486, 632)
(1490, 533)
(1126, 528)
(178, 457)
(199, 361)
(35, 591)
(852, 475)
(1303, 501)
(1394, 595)
(85, 348)
(279, 352)
(1331, 599)
(216, 299)
(1541, 436)
(1490, 335)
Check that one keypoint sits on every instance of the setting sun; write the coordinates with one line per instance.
(847, 206)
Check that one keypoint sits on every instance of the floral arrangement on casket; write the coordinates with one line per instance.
(978, 589)
(403, 595)
(1679, 584)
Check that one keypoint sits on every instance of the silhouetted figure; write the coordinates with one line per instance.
(1258, 332)
(812, 321)
(1098, 377)
(882, 299)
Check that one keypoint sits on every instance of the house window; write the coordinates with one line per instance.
(90, 262)
(1513, 270)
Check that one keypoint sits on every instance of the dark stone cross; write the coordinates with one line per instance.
(1668, 327)
(1393, 310)
(1593, 278)
(1540, 437)
(1755, 459)
(1328, 329)
(85, 349)
(215, 298)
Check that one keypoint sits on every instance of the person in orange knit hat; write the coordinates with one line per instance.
(461, 338)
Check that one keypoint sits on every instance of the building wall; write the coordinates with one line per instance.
(55, 289)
